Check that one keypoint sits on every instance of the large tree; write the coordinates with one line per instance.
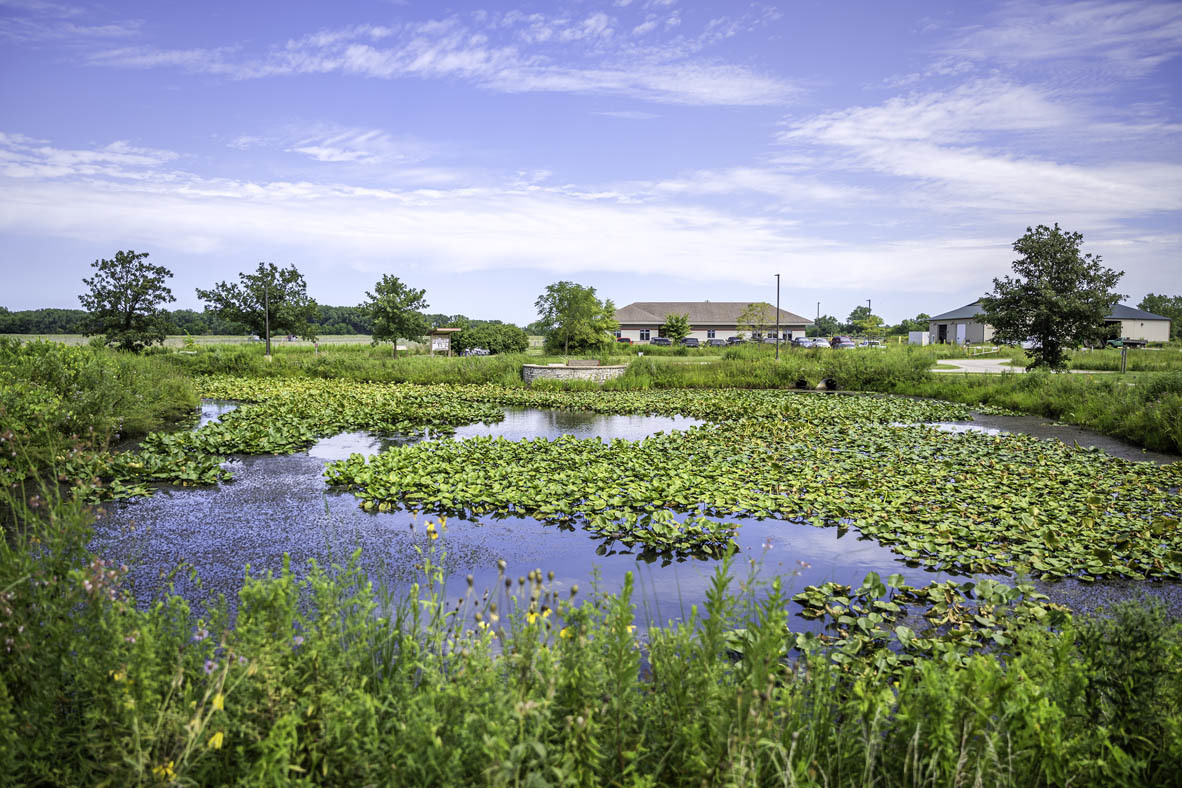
(1058, 297)
(676, 327)
(1166, 306)
(573, 318)
(272, 300)
(393, 307)
(124, 302)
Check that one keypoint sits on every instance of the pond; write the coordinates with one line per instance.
(279, 505)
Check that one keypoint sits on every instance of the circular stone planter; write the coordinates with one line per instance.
(532, 372)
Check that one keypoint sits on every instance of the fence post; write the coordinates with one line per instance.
(1124, 358)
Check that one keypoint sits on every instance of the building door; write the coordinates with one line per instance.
(942, 333)
(960, 333)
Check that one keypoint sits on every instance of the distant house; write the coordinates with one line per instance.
(641, 321)
(966, 325)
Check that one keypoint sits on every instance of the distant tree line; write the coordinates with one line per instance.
(332, 320)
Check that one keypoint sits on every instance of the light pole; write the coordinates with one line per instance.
(777, 317)
(267, 318)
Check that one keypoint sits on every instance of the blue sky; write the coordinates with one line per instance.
(656, 150)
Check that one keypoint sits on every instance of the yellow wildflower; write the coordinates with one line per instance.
(219, 701)
(215, 741)
(165, 772)
(564, 632)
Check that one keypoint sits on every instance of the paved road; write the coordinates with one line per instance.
(991, 364)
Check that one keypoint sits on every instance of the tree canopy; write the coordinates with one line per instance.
(676, 327)
(1166, 306)
(270, 297)
(393, 307)
(1058, 297)
(824, 326)
(124, 301)
(494, 337)
(575, 319)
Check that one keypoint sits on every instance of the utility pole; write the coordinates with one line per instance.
(267, 318)
(777, 317)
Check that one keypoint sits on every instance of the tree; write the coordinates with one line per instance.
(271, 300)
(824, 326)
(755, 319)
(493, 337)
(124, 302)
(1166, 306)
(869, 325)
(1058, 296)
(574, 318)
(920, 322)
(851, 323)
(393, 308)
(676, 327)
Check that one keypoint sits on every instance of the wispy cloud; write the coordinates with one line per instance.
(512, 53)
(970, 149)
(26, 157)
(1132, 37)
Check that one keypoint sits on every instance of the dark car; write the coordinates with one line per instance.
(802, 342)
(841, 341)
(691, 342)
(735, 340)
(662, 341)
(716, 342)
(624, 340)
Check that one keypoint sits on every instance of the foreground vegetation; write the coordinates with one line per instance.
(330, 680)
(327, 681)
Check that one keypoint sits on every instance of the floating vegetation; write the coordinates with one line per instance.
(967, 503)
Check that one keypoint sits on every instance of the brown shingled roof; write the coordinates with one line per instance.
(700, 312)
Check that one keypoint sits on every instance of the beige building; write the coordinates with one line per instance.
(641, 321)
(966, 326)
(1139, 324)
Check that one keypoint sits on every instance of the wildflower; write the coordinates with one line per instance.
(219, 702)
(531, 617)
(243, 660)
(165, 772)
(210, 666)
(118, 675)
(200, 635)
(215, 741)
(298, 640)
(564, 632)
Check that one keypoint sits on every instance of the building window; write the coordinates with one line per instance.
(617, 335)
(710, 333)
(644, 335)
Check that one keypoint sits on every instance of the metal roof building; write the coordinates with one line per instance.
(640, 321)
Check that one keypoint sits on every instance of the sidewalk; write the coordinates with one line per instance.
(994, 366)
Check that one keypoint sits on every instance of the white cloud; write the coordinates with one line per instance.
(962, 151)
(1133, 37)
(563, 56)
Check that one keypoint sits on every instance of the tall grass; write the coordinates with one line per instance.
(1145, 409)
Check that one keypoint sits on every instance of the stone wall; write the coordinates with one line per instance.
(532, 372)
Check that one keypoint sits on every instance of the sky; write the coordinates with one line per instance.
(656, 150)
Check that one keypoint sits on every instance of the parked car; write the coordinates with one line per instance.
(802, 342)
(716, 342)
(624, 340)
(769, 340)
(691, 342)
(841, 339)
(735, 340)
(662, 341)
(820, 342)
(1127, 342)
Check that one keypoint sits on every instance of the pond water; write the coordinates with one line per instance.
(280, 505)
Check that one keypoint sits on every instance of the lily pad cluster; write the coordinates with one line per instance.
(885, 626)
